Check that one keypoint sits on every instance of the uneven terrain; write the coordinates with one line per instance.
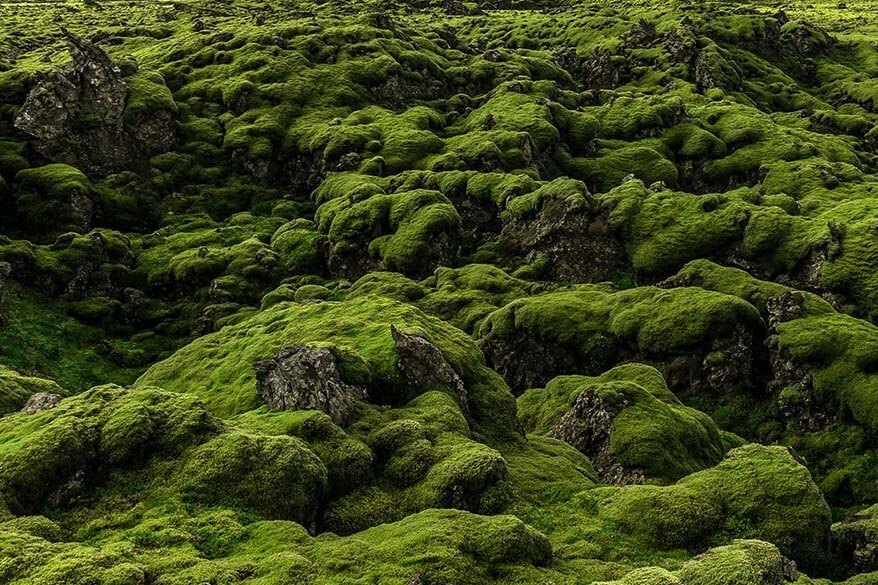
(438, 293)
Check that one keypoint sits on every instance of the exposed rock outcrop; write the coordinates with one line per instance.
(578, 245)
(40, 401)
(791, 381)
(586, 426)
(302, 377)
(855, 541)
(422, 366)
(78, 115)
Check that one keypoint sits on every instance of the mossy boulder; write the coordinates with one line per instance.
(54, 198)
(589, 328)
(762, 491)
(628, 423)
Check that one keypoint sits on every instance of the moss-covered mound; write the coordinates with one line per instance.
(626, 418)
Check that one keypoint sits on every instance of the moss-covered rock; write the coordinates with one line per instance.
(628, 423)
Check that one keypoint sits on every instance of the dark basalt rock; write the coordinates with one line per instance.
(604, 70)
(682, 42)
(586, 426)
(5, 271)
(792, 382)
(422, 366)
(77, 116)
(855, 542)
(304, 378)
(527, 362)
(722, 367)
(578, 245)
(40, 401)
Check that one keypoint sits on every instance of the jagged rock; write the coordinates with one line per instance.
(579, 246)
(791, 382)
(422, 366)
(77, 115)
(586, 426)
(784, 307)
(713, 70)
(40, 401)
(855, 541)
(603, 70)
(302, 377)
(641, 36)
(682, 42)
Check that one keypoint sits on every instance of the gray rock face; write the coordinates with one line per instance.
(423, 366)
(40, 401)
(586, 426)
(578, 245)
(302, 377)
(855, 541)
(791, 381)
(77, 116)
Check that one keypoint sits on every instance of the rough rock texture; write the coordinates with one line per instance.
(855, 541)
(579, 247)
(722, 366)
(40, 401)
(304, 378)
(77, 116)
(603, 70)
(422, 366)
(526, 362)
(792, 381)
(587, 427)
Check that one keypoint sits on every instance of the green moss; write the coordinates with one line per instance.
(16, 388)
(651, 319)
(275, 476)
(147, 94)
(54, 198)
(755, 491)
(652, 432)
(218, 367)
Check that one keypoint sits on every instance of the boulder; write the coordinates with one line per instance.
(855, 541)
(302, 377)
(78, 115)
(423, 367)
(587, 427)
(41, 401)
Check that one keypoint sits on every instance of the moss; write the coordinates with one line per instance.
(755, 491)
(653, 432)
(651, 319)
(275, 476)
(147, 95)
(54, 198)
(43, 451)
(218, 367)
(16, 388)
(406, 224)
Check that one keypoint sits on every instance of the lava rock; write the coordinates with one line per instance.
(41, 401)
(422, 366)
(302, 377)
(587, 426)
(77, 115)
